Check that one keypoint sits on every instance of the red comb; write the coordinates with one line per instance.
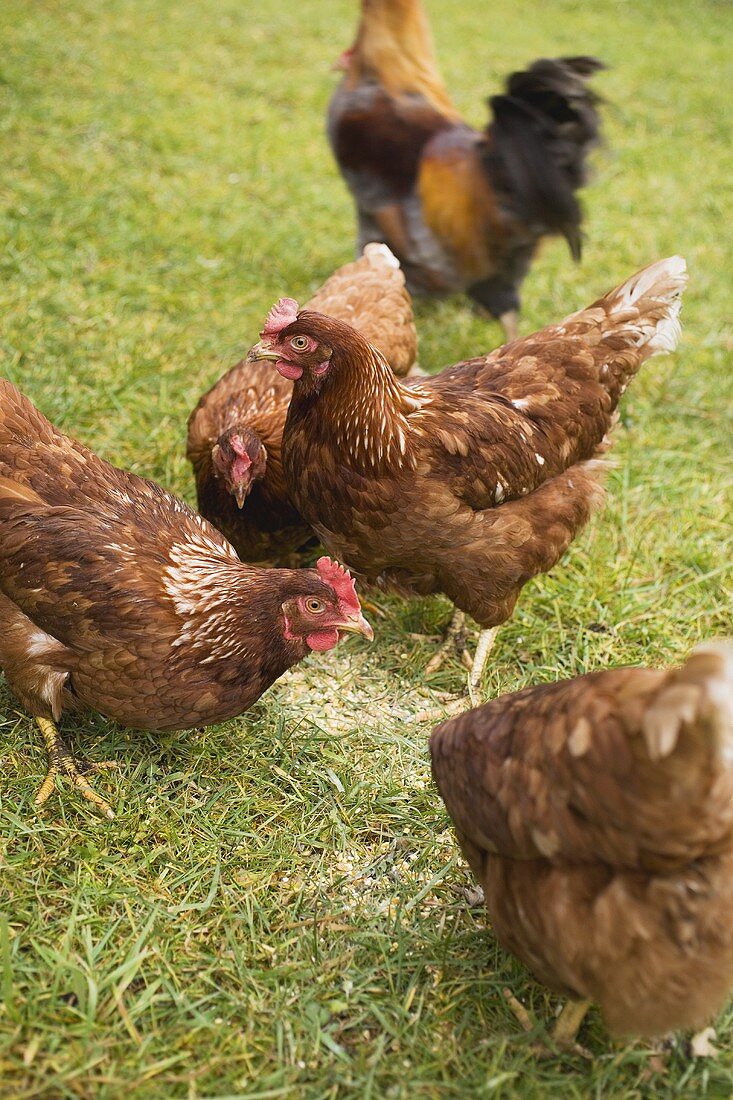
(237, 444)
(282, 314)
(341, 581)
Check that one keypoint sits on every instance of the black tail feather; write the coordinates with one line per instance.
(543, 128)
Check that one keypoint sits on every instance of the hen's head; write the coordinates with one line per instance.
(239, 459)
(326, 608)
(342, 64)
(307, 347)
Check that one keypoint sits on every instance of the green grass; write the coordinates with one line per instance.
(277, 909)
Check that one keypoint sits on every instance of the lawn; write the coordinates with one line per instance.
(279, 908)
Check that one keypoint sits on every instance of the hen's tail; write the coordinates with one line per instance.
(697, 700)
(21, 423)
(634, 321)
(646, 308)
(380, 257)
(540, 134)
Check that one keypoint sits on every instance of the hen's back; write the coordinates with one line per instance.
(370, 294)
(64, 473)
(545, 402)
(598, 815)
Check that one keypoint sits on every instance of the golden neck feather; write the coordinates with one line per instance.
(395, 44)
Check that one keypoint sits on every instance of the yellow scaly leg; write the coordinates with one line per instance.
(485, 644)
(565, 1031)
(61, 762)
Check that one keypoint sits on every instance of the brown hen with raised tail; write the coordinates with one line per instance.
(475, 480)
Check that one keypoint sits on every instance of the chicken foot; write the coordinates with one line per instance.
(565, 1031)
(509, 321)
(455, 639)
(61, 762)
(484, 646)
(563, 1034)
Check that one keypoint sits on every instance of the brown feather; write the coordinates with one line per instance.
(598, 815)
(117, 596)
(464, 209)
(368, 293)
(475, 480)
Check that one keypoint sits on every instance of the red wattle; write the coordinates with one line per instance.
(321, 640)
(288, 370)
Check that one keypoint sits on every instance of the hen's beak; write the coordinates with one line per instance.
(263, 351)
(239, 493)
(357, 624)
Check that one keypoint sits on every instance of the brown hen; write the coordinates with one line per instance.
(597, 814)
(464, 210)
(473, 481)
(235, 431)
(116, 596)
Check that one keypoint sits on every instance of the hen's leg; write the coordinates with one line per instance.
(509, 321)
(484, 646)
(565, 1031)
(61, 762)
(391, 223)
(455, 640)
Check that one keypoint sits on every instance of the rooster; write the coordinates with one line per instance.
(477, 479)
(116, 596)
(462, 209)
(597, 814)
(235, 431)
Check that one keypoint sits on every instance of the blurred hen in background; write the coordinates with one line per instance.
(463, 209)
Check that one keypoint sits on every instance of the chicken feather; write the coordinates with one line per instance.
(475, 480)
(597, 813)
(252, 401)
(116, 596)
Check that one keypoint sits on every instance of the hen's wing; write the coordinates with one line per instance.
(370, 295)
(63, 473)
(82, 541)
(502, 425)
(377, 140)
(460, 207)
(625, 767)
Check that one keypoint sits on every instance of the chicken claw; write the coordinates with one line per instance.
(61, 762)
(455, 706)
(565, 1031)
(455, 638)
(484, 646)
(563, 1034)
(509, 321)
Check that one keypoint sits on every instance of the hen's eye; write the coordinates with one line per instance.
(314, 606)
(300, 343)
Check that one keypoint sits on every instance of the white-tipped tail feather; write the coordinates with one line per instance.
(700, 692)
(380, 255)
(653, 298)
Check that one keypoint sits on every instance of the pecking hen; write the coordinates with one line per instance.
(477, 479)
(464, 210)
(116, 596)
(235, 431)
(597, 814)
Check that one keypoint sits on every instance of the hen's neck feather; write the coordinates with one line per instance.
(225, 608)
(363, 409)
(395, 45)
